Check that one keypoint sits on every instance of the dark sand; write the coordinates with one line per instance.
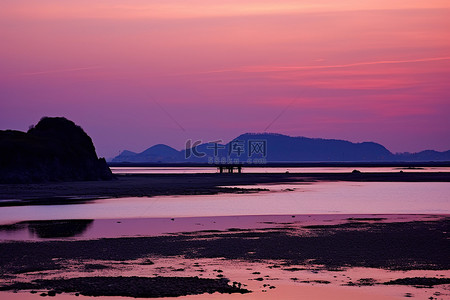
(183, 184)
(398, 246)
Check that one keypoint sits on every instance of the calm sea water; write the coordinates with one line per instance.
(195, 170)
(284, 199)
(153, 215)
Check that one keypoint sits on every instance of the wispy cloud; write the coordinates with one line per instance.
(267, 69)
(59, 71)
(182, 9)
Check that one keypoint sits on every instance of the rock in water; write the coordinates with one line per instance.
(54, 150)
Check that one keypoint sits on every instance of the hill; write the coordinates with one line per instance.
(54, 150)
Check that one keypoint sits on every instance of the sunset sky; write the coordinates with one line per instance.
(140, 72)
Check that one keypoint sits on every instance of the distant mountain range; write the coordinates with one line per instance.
(269, 147)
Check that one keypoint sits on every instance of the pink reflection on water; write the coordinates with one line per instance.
(113, 228)
(284, 199)
(304, 283)
(212, 169)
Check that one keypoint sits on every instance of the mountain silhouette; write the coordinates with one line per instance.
(271, 147)
(157, 153)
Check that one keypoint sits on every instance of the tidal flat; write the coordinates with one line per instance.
(377, 253)
(228, 236)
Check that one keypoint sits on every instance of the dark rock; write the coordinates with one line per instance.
(147, 262)
(419, 281)
(54, 150)
(362, 282)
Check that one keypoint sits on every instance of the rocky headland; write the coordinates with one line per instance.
(56, 149)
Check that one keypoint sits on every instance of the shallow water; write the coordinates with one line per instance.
(284, 199)
(285, 287)
(212, 169)
(287, 282)
(113, 228)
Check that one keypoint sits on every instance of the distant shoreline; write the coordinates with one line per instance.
(291, 164)
(148, 185)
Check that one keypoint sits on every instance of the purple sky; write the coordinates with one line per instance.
(137, 73)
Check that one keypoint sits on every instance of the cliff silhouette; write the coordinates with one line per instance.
(56, 149)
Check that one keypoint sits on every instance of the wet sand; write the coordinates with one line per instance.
(268, 260)
(359, 242)
(183, 184)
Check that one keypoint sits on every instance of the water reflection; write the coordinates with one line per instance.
(213, 169)
(13, 227)
(51, 229)
(283, 199)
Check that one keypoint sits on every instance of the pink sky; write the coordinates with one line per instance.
(125, 70)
